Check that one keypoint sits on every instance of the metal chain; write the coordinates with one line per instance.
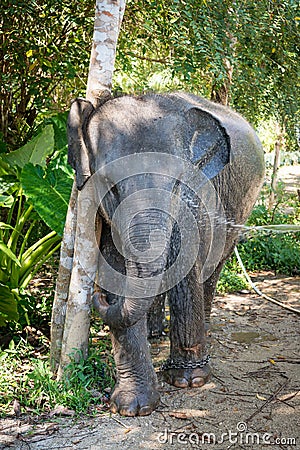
(179, 364)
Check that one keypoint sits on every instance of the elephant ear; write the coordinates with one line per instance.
(78, 155)
(210, 143)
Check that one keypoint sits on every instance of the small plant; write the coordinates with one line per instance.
(271, 242)
(26, 377)
(277, 247)
(231, 281)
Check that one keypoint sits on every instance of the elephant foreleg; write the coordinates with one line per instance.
(136, 391)
(188, 362)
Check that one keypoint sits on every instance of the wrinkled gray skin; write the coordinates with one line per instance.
(215, 140)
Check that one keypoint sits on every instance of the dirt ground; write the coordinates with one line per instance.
(251, 402)
(290, 176)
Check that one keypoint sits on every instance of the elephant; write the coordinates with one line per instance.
(176, 171)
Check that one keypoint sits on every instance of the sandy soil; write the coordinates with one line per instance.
(290, 175)
(251, 402)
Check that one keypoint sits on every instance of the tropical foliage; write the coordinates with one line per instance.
(241, 51)
(45, 49)
(30, 191)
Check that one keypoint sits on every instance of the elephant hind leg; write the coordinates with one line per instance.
(156, 317)
(209, 291)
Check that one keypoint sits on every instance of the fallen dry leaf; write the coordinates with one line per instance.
(62, 411)
(17, 408)
(260, 397)
(179, 415)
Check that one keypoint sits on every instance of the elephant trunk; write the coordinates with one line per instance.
(146, 246)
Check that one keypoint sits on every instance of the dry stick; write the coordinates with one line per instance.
(269, 400)
(119, 421)
(270, 299)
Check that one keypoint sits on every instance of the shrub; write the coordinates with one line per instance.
(275, 248)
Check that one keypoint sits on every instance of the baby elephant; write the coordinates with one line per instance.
(175, 177)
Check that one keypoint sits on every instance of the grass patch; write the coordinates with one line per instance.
(26, 378)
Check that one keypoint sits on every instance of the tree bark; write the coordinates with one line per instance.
(72, 305)
(63, 281)
(108, 19)
(77, 317)
(274, 174)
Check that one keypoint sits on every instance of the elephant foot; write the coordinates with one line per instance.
(187, 377)
(130, 402)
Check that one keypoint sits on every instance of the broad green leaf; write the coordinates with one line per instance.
(6, 201)
(4, 167)
(8, 305)
(49, 194)
(35, 151)
(59, 122)
(9, 253)
(8, 184)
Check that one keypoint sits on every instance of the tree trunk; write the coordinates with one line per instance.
(63, 281)
(276, 164)
(72, 304)
(108, 19)
(77, 318)
(220, 93)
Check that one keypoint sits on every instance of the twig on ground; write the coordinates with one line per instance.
(218, 378)
(269, 400)
(119, 422)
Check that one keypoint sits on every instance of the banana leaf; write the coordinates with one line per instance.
(35, 151)
(8, 305)
(49, 193)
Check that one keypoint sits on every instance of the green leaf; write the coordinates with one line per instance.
(5, 225)
(35, 151)
(5, 169)
(9, 253)
(59, 122)
(6, 201)
(49, 194)
(8, 305)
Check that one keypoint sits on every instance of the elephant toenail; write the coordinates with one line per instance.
(145, 411)
(197, 382)
(113, 408)
(127, 412)
(181, 383)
